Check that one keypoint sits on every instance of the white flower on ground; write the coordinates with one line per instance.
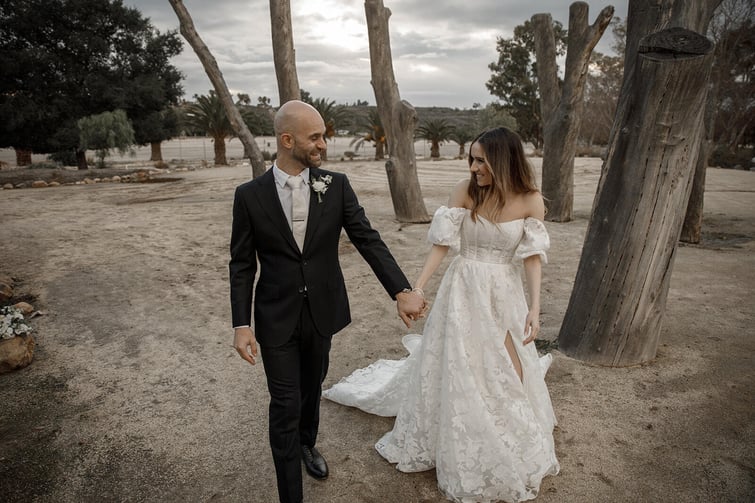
(12, 323)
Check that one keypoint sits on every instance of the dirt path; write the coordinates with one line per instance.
(136, 395)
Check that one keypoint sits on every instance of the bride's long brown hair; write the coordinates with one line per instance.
(509, 168)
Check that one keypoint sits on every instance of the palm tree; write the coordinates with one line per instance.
(436, 131)
(462, 135)
(374, 134)
(332, 115)
(208, 115)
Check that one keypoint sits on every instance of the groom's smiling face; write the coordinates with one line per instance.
(309, 141)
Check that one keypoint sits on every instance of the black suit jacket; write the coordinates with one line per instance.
(261, 233)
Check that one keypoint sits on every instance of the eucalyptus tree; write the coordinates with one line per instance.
(514, 78)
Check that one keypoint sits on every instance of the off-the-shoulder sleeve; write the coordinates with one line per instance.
(535, 240)
(445, 227)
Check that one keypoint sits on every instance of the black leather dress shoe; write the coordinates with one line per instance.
(314, 462)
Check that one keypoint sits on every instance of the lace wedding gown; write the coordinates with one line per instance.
(459, 405)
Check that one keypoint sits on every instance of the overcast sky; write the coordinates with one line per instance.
(441, 48)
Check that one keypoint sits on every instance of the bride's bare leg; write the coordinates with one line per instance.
(513, 355)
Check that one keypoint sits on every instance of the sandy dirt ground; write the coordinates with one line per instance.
(135, 393)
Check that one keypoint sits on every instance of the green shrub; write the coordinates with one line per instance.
(43, 165)
(723, 157)
(66, 157)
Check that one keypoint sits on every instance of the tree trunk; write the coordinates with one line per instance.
(81, 159)
(379, 151)
(461, 150)
(251, 150)
(157, 153)
(649, 16)
(284, 55)
(562, 112)
(398, 117)
(219, 147)
(23, 156)
(434, 150)
(693, 218)
(616, 307)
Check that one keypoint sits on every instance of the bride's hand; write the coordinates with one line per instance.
(532, 326)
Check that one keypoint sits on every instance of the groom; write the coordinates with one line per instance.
(290, 220)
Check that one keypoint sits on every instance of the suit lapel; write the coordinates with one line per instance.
(315, 208)
(271, 204)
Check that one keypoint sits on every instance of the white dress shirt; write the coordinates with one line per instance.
(284, 192)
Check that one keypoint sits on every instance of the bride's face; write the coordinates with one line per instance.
(479, 166)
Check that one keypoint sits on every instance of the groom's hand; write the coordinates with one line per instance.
(410, 306)
(245, 344)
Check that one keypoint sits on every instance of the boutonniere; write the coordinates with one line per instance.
(320, 185)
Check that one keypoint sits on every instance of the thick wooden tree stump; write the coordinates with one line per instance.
(616, 307)
(398, 117)
(649, 16)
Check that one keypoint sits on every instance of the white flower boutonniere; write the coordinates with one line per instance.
(320, 185)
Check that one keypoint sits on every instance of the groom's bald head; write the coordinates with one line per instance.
(291, 114)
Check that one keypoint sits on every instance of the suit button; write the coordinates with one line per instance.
(301, 289)
(304, 263)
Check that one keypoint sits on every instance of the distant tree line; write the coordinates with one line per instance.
(205, 116)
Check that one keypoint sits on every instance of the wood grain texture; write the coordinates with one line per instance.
(617, 304)
(398, 117)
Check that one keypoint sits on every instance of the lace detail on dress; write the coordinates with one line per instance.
(379, 388)
(445, 227)
(535, 241)
(460, 406)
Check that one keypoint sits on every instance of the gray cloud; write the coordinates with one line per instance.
(441, 49)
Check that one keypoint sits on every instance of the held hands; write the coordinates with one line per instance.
(411, 306)
(532, 326)
(245, 344)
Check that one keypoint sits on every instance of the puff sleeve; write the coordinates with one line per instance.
(535, 240)
(446, 226)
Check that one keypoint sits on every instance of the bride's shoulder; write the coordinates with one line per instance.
(534, 206)
(460, 195)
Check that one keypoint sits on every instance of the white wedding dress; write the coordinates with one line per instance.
(459, 405)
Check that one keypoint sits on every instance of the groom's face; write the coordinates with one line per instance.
(309, 141)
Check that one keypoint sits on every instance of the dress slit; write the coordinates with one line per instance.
(514, 356)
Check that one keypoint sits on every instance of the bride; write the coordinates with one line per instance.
(470, 400)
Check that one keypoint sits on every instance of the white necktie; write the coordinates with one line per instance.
(298, 209)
